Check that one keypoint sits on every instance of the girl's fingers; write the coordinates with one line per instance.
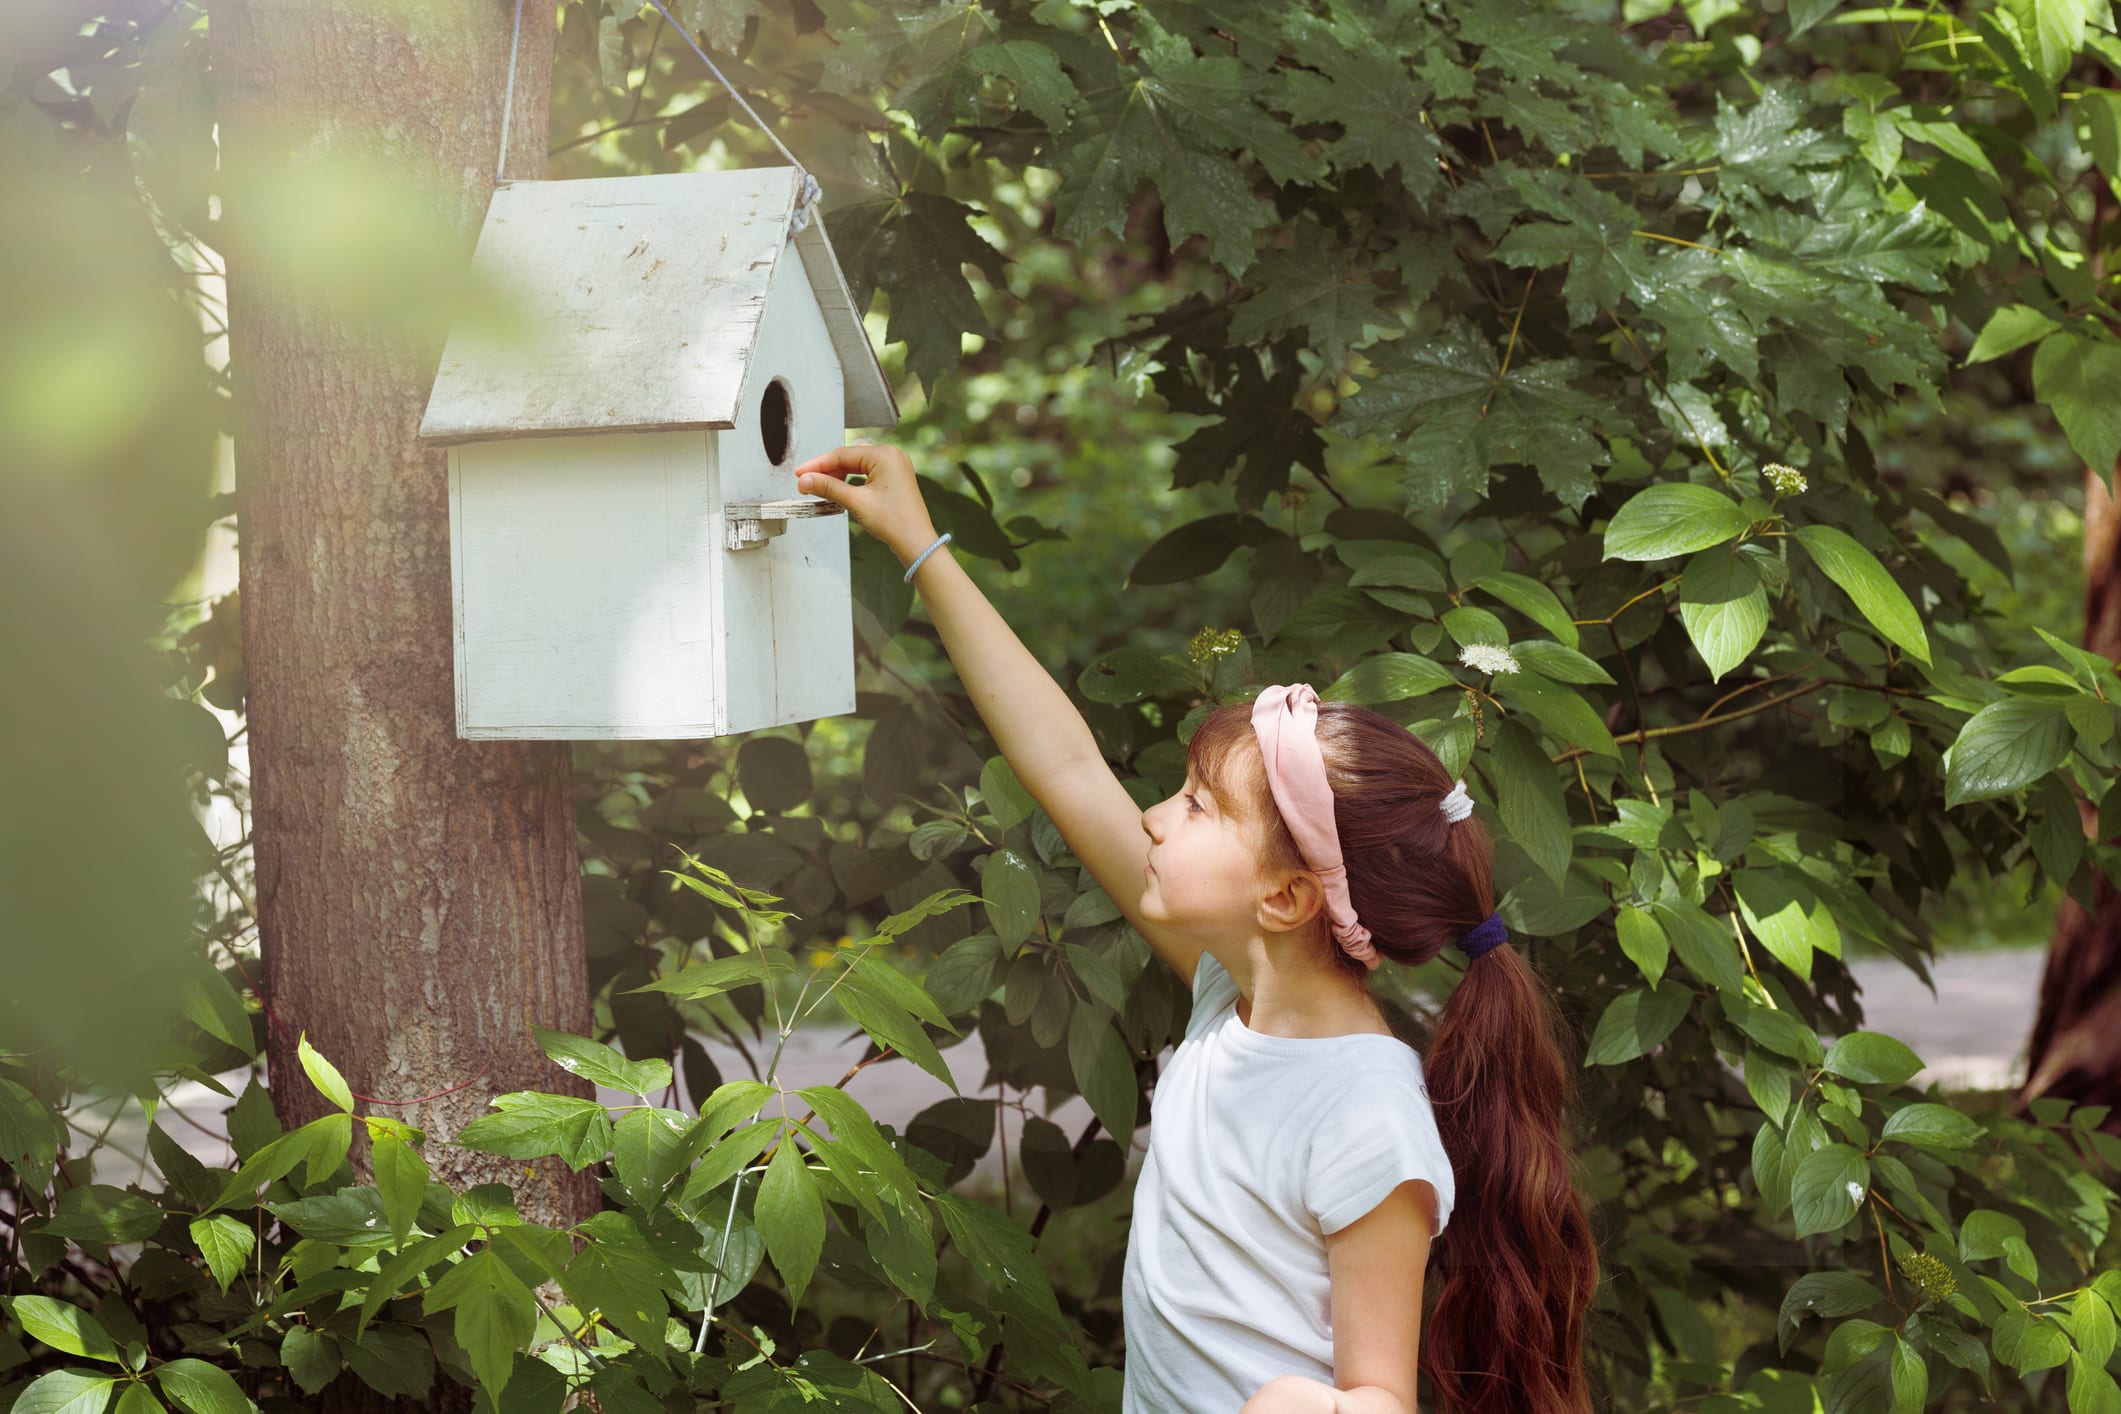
(839, 462)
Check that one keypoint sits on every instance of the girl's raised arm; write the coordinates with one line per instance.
(1040, 733)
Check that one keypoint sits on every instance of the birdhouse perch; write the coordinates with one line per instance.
(629, 555)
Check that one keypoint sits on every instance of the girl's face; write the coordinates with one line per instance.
(1203, 872)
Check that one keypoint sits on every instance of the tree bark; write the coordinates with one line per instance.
(2075, 1050)
(418, 899)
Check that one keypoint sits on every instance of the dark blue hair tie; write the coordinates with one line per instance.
(1483, 935)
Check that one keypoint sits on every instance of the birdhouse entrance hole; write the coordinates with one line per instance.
(776, 421)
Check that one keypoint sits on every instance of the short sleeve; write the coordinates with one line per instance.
(1214, 991)
(1375, 1140)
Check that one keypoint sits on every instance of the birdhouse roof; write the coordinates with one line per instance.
(634, 304)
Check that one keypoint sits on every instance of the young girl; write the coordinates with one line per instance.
(1297, 1172)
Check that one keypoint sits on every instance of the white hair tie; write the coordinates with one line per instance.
(1457, 805)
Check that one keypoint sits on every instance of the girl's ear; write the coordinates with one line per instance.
(1290, 902)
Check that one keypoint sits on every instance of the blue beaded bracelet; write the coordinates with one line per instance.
(940, 541)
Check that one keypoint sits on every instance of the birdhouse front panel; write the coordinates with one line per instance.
(586, 603)
(788, 644)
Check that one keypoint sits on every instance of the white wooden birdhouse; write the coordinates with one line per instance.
(629, 554)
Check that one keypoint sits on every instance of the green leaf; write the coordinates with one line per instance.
(1779, 1031)
(647, 1151)
(1880, 599)
(873, 975)
(709, 979)
(1724, 608)
(1826, 1295)
(857, 1132)
(1872, 1057)
(916, 245)
(1532, 599)
(1672, 518)
(1932, 1126)
(64, 1327)
(1643, 942)
(891, 1025)
(138, 1399)
(1131, 674)
(1391, 677)
(401, 1178)
(2027, 1343)
(1004, 796)
(791, 1218)
(600, 1064)
(729, 1158)
(1010, 890)
(2091, 1326)
(1986, 1233)
(1704, 944)
(201, 1388)
(964, 975)
(999, 1249)
(1455, 413)
(1560, 709)
(213, 1006)
(1099, 977)
(2091, 1389)
(496, 1315)
(2009, 329)
(531, 1125)
(97, 1212)
(1103, 1071)
(1318, 288)
(406, 1268)
(324, 1075)
(774, 774)
(1528, 796)
(1911, 1378)
(1767, 1080)
(312, 1360)
(2076, 376)
(350, 1217)
(939, 902)
(1636, 1022)
(225, 1243)
(622, 1275)
(65, 1392)
(29, 1137)
(733, 1102)
(2005, 747)
(1173, 126)
(1827, 1187)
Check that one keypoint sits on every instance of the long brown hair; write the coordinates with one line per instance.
(1518, 1264)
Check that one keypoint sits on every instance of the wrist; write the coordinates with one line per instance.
(909, 550)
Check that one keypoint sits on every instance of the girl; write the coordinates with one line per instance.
(1296, 1172)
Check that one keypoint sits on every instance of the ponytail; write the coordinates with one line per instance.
(1515, 1272)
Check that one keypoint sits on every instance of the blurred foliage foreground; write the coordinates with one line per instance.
(1622, 294)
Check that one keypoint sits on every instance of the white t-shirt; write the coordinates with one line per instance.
(1259, 1146)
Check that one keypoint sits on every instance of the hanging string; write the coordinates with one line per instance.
(810, 193)
(806, 198)
(508, 96)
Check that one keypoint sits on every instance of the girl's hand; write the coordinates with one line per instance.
(1292, 1394)
(888, 505)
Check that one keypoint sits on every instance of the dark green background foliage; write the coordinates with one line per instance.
(1596, 393)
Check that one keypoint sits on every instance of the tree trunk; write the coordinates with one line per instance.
(419, 899)
(2075, 1051)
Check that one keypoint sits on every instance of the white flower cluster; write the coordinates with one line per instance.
(1786, 480)
(1487, 658)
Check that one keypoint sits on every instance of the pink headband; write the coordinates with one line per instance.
(1286, 721)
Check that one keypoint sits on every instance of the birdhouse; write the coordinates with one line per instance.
(628, 553)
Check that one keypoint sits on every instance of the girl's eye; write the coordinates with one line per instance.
(1193, 805)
